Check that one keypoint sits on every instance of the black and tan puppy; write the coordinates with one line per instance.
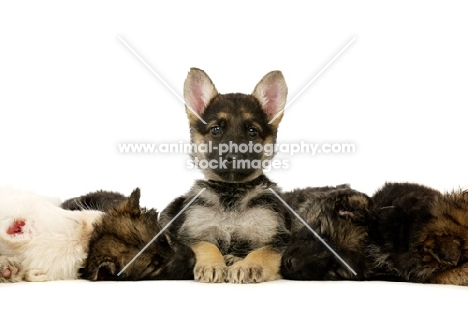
(236, 227)
(124, 231)
(420, 234)
(339, 215)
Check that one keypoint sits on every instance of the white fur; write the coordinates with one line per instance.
(53, 242)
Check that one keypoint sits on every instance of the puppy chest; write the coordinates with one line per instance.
(251, 228)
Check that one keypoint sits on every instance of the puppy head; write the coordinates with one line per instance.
(307, 258)
(339, 216)
(237, 140)
(120, 236)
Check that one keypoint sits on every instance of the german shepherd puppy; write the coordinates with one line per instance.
(123, 231)
(339, 215)
(237, 227)
(420, 234)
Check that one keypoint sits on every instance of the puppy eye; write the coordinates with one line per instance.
(215, 130)
(252, 131)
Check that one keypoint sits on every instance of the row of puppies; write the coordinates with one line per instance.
(405, 232)
(92, 238)
(248, 227)
(236, 229)
(239, 230)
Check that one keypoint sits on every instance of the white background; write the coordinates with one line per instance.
(70, 90)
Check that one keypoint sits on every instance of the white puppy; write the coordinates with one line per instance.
(39, 241)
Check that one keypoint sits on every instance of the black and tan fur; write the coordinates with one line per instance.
(420, 234)
(236, 227)
(339, 215)
(124, 230)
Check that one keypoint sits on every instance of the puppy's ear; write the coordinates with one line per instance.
(272, 91)
(131, 205)
(164, 243)
(198, 90)
(106, 271)
(355, 207)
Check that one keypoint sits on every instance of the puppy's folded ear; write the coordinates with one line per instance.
(355, 207)
(106, 271)
(272, 92)
(198, 90)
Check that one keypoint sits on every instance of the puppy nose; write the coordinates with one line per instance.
(230, 157)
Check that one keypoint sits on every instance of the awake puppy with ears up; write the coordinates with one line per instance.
(237, 227)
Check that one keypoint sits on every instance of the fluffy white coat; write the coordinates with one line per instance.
(39, 241)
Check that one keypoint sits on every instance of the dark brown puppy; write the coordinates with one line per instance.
(123, 232)
(237, 227)
(339, 215)
(420, 234)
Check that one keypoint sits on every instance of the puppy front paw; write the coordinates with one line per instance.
(246, 272)
(210, 266)
(210, 273)
(10, 269)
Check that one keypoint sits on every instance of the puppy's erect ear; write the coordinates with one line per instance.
(198, 90)
(272, 91)
(131, 205)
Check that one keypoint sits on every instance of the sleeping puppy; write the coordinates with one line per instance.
(420, 234)
(39, 241)
(405, 232)
(127, 243)
(339, 216)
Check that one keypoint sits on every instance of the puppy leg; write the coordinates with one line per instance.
(454, 276)
(445, 249)
(36, 276)
(10, 270)
(260, 265)
(210, 266)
